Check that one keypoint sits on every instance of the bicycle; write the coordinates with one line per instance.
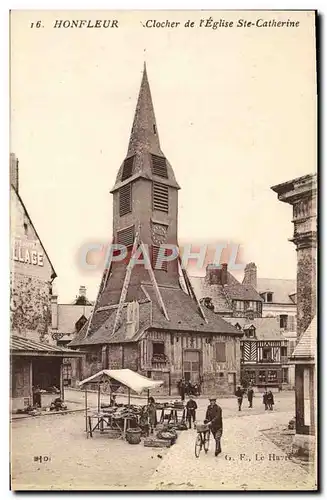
(202, 439)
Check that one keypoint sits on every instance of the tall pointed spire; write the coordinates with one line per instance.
(144, 136)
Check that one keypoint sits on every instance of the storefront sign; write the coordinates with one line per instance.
(27, 255)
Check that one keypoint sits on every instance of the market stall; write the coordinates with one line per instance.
(117, 418)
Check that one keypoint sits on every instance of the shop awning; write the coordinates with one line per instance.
(126, 377)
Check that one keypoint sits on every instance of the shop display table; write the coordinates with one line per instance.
(170, 414)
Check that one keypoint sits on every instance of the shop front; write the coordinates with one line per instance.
(37, 373)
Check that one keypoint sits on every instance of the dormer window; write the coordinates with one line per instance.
(154, 129)
(269, 297)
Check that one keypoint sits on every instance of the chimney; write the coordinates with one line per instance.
(13, 165)
(133, 319)
(223, 276)
(250, 275)
(213, 274)
(82, 291)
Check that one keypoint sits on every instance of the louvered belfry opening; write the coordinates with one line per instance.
(160, 197)
(128, 168)
(161, 265)
(126, 236)
(159, 166)
(125, 199)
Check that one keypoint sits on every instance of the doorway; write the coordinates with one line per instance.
(191, 366)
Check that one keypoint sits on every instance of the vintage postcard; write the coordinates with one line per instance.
(163, 177)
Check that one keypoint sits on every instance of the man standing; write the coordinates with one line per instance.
(239, 395)
(265, 399)
(182, 389)
(250, 396)
(270, 400)
(214, 418)
(191, 408)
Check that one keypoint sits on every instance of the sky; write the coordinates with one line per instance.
(235, 111)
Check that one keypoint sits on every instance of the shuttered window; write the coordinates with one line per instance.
(221, 351)
(161, 266)
(159, 166)
(126, 236)
(128, 168)
(160, 197)
(125, 199)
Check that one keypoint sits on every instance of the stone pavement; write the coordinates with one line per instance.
(248, 461)
(100, 463)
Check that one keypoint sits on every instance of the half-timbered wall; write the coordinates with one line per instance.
(218, 355)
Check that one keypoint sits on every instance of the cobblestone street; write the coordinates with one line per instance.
(248, 461)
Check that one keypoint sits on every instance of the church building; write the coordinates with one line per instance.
(143, 318)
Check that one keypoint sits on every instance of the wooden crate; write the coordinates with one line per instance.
(157, 443)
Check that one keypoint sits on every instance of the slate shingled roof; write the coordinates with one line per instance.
(307, 345)
(182, 311)
(281, 289)
(266, 328)
(223, 295)
(24, 345)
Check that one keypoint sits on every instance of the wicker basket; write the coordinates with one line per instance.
(133, 436)
(202, 427)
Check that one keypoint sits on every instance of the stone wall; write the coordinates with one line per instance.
(306, 288)
(30, 309)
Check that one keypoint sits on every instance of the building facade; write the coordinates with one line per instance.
(220, 291)
(279, 301)
(143, 318)
(301, 193)
(34, 358)
(66, 321)
(264, 354)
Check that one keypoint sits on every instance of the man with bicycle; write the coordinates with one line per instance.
(214, 419)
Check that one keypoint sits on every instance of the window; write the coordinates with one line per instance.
(251, 332)
(158, 348)
(285, 376)
(269, 297)
(283, 351)
(159, 166)
(160, 197)
(266, 353)
(283, 321)
(67, 374)
(154, 129)
(259, 307)
(291, 323)
(126, 236)
(221, 352)
(272, 376)
(249, 377)
(239, 304)
(128, 168)
(125, 199)
(262, 376)
(161, 266)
